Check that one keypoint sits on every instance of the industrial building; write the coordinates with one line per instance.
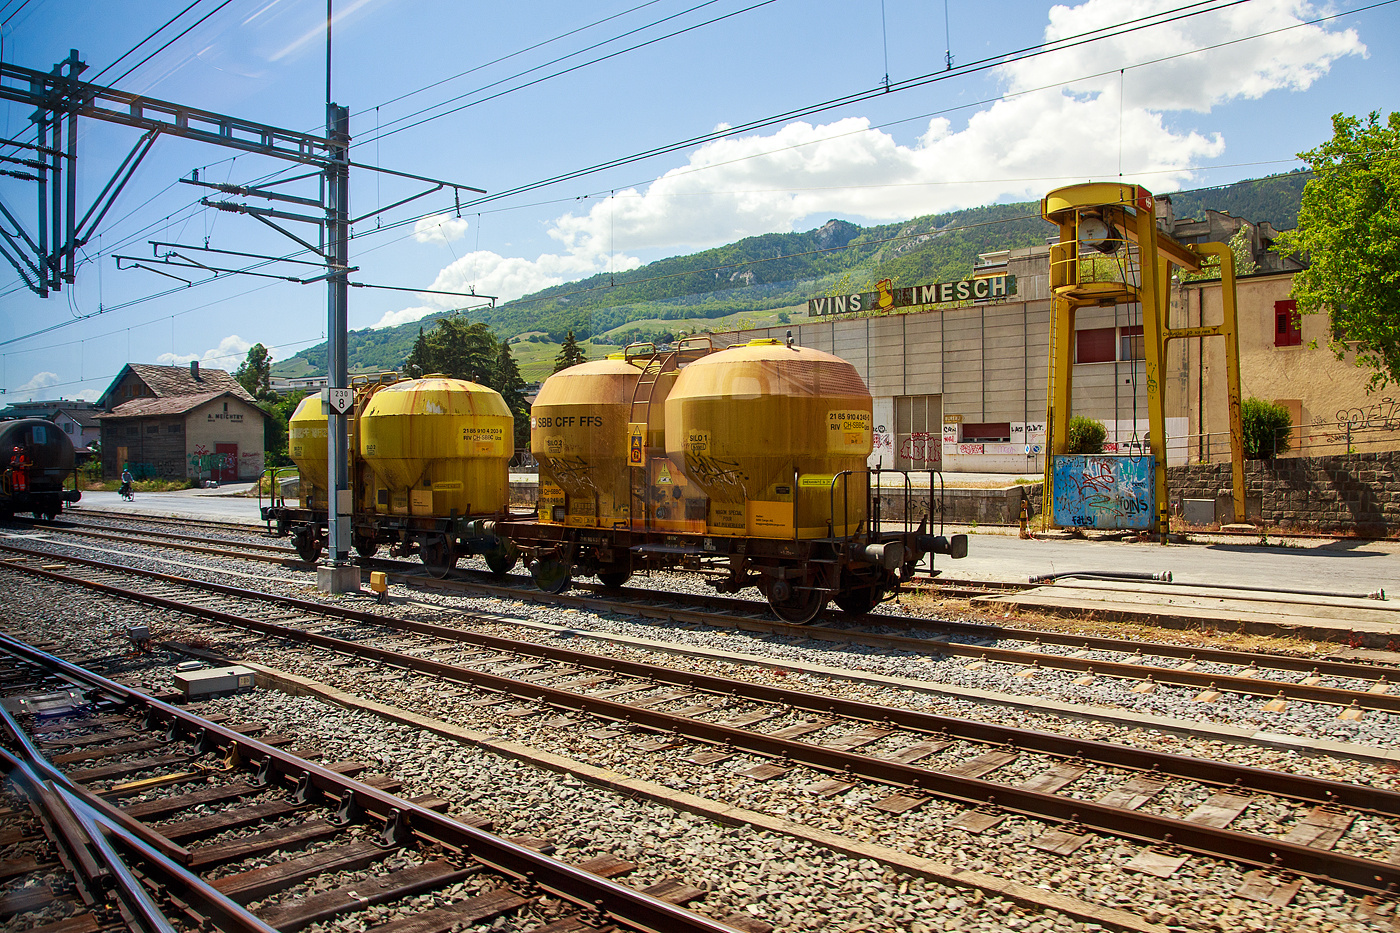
(172, 422)
(961, 385)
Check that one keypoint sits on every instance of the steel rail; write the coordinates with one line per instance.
(1358, 671)
(1348, 871)
(174, 545)
(578, 886)
(1367, 799)
(72, 526)
(1231, 683)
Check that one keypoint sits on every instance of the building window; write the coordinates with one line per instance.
(68, 427)
(1130, 345)
(992, 432)
(1288, 325)
(918, 426)
(152, 429)
(225, 406)
(1095, 345)
(175, 428)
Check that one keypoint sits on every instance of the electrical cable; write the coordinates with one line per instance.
(643, 155)
(565, 71)
(138, 45)
(981, 65)
(172, 41)
(497, 61)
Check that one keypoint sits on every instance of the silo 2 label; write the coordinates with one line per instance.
(848, 431)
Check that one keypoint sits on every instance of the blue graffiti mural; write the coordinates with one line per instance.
(1103, 492)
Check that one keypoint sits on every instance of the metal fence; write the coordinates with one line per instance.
(1304, 440)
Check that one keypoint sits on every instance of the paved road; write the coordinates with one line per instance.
(1336, 566)
(183, 504)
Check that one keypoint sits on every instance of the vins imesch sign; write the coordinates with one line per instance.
(986, 289)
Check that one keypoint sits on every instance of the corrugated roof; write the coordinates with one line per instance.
(145, 407)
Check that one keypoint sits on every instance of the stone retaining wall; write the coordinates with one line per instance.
(1353, 493)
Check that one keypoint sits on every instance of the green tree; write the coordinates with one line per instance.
(419, 361)
(455, 348)
(1244, 259)
(506, 379)
(1085, 436)
(1267, 429)
(255, 373)
(569, 354)
(1349, 227)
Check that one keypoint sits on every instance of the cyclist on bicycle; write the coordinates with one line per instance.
(126, 484)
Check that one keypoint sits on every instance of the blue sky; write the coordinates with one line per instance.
(1175, 117)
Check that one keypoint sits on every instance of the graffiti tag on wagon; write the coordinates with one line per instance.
(1103, 492)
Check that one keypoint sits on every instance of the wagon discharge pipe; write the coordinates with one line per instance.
(1166, 577)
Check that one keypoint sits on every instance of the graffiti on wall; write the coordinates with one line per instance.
(922, 447)
(1384, 415)
(1103, 492)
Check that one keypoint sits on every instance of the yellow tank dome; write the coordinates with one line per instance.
(308, 445)
(766, 429)
(437, 445)
(578, 434)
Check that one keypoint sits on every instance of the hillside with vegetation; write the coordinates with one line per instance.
(765, 280)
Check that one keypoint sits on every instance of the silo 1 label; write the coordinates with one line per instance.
(848, 432)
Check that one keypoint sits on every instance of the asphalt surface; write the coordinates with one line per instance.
(1338, 566)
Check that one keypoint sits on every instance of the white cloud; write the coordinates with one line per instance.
(1289, 60)
(88, 395)
(394, 318)
(231, 351)
(40, 381)
(439, 228)
(1016, 148)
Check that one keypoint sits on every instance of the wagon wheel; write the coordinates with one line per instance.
(792, 603)
(859, 594)
(307, 543)
(365, 545)
(438, 557)
(500, 562)
(502, 558)
(550, 574)
(612, 579)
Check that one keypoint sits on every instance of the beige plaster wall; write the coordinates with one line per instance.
(1322, 391)
(241, 424)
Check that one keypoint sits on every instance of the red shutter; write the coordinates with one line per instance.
(1095, 345)
(1288, 326)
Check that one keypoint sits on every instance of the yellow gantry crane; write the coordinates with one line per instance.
(1111, 252)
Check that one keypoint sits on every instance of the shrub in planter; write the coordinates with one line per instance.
(1086, 436)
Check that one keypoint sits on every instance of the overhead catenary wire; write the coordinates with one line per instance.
(148, 38)
(647, 154)
(167, 45)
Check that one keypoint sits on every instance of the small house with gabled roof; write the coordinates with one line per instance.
(174, 422)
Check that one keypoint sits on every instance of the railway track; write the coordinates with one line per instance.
(988, 772)
(1352, 687)
(162, 816)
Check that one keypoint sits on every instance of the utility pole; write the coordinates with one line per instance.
(46, 262)
(337, 575)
